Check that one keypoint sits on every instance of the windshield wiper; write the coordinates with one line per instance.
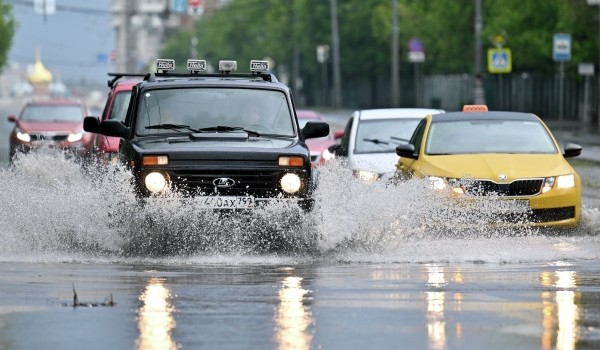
(377, 141)
(227, 129)
(175, 127)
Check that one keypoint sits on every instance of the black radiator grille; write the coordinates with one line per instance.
(245, 182)
(516, 188)
(42, 137)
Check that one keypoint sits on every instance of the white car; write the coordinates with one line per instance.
(371, 136)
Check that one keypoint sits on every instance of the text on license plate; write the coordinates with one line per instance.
(505, 205)
(226, 202)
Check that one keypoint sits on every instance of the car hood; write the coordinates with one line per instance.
(491, 166)
(381, 163)
(185, 147)
(36, 127)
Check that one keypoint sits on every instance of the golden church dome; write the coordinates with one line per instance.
(39, 74)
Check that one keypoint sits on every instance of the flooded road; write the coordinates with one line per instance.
(274, 303)
(82, 265)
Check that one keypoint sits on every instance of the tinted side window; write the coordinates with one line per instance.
(417, 137)
(345, 143)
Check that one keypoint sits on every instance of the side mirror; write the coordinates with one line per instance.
(338, 134)
(406, 150)
(91, 124)
(315, 129)
(12, 118)
(109, 127)
(572, 150)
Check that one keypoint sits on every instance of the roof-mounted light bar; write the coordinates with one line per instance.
(164, 65)
(227, 66)
(257, 66)
(196, 66)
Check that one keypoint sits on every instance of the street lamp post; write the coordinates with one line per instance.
(322, 58)
(395, 88)
(335, 41)
(479, 96)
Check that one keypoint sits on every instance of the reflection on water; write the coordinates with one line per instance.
(155, 320)
(437, 304)
(436, 324)
(293, 318)
(561, 313)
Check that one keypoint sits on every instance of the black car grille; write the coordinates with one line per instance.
(42, 137)
(258, 183)
(516, 188)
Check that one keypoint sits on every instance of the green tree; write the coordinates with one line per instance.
(529, 31)
(7, 31)
(290, 30)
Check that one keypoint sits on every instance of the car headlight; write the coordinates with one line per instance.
(437, 183)
(548, 184)
(440, 183)
(328, 155)
(23, 136)
(74, 137)
(565, 181)
(290, 183)
(155, 182)
(367, 176)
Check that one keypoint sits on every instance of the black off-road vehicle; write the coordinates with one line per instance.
(226, 140)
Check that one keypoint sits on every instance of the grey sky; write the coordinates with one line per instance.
(69, 41)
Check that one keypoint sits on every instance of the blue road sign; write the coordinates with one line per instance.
(179, 6)
(499, 60)
(561, 48)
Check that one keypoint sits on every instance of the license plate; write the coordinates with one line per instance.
(225, 202)
(505, 205)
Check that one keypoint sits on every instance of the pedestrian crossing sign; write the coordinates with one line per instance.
(499, 61)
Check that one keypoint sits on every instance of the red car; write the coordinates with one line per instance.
(106, 147)
(57, 123)
(318, 147)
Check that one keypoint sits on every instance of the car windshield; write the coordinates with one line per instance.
(263, 111)
(119, 108)
(488, 136)
(383, 135)
(52, 113)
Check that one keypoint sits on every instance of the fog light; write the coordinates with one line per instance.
(290, 183)
(155, 182)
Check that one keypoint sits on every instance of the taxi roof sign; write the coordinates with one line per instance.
(163, 65)
(196, 65)
(259, 66)
(475, 108)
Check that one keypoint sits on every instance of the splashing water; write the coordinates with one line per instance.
(53, 205)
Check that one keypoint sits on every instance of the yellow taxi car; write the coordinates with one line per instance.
(508, 158)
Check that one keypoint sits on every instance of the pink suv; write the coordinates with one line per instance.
(106, 148)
